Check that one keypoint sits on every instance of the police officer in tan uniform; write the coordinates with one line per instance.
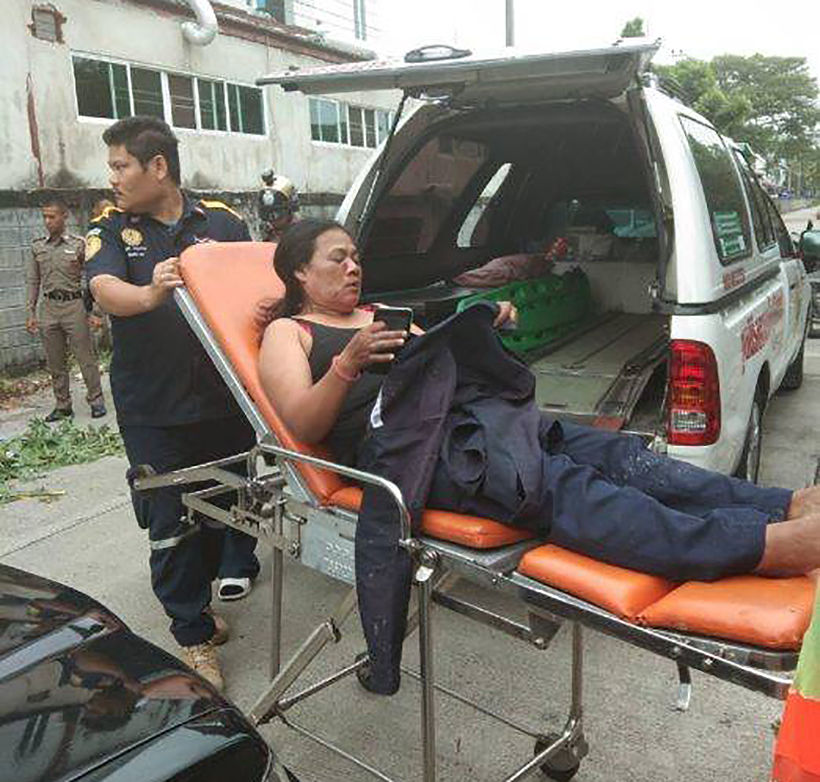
(56, 269)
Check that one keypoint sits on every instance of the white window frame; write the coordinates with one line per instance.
(166, 92)
(166, 95)
(343, 109)
(108, 61)
(264, 109)
(218, 131)
(130, 88)
(163, 87)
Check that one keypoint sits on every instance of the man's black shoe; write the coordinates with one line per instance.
(58, 413)
(98, 410)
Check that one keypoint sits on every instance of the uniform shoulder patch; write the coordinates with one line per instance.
(93, 243)
(221, 205)
(109, 211)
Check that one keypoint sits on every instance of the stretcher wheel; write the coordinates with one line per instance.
(563, 765)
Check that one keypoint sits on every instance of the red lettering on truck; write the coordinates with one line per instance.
(759, 328)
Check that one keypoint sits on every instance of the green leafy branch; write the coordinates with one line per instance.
(43, 447)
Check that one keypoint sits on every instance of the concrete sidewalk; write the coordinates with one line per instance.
(89, 539)
(41, 403)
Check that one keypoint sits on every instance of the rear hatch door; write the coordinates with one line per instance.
(512, 76)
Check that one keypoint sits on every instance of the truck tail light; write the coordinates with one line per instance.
(693, 394)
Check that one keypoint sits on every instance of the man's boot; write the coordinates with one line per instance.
(58, 413)
(221, 630)
(203, 660)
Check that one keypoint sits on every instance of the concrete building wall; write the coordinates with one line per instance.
(46, 146)
(38, 87)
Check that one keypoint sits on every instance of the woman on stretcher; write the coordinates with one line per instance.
(599, 493)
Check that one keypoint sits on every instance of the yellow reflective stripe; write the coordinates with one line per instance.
(106, 213)
(220, 205)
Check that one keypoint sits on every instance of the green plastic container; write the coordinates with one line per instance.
(548, 308)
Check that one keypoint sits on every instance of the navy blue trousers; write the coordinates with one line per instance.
(185, 559)
(606, 495)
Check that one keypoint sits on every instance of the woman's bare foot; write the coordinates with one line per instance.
(804, 502)
(791, 549)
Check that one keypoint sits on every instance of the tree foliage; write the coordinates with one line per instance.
(633, 28)
(695, 81)
(783, 94)
(770, 102)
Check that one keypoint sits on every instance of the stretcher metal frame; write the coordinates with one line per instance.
(275, 505)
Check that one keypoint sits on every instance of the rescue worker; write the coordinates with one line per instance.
(278, 204)
(56, 269)
(172, 407)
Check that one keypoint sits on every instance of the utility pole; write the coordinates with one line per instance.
(510, 22)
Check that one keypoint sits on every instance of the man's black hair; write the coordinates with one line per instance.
(145, 138)
(55, 201)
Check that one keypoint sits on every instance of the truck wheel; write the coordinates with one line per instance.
(749, 465)
(793, 378)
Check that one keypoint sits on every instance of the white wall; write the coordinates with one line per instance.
(72, 151)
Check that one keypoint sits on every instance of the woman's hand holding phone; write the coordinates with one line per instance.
(375, 345)
(396, 321)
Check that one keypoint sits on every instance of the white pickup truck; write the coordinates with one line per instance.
(689, 305)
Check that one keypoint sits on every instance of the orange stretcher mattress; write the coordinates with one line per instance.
(228, 280)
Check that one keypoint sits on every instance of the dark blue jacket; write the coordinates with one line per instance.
(456, 415)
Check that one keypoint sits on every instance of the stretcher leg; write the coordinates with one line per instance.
(684, 687)
(577, 706)
(326, 632)
(443, 581)
(424, 580)
(559, 755)
(277, 577)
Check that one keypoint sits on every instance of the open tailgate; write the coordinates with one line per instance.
(512, 75)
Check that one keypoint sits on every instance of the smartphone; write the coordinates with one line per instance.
(396, 319)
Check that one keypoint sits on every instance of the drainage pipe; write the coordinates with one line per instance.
(204, 29)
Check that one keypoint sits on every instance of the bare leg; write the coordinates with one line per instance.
(791, 549)
(804, 502)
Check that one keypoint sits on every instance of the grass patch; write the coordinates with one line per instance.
(45, 447)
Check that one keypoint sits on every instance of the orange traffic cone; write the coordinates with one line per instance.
(797, 750)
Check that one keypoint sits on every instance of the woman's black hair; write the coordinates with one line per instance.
(293, 252)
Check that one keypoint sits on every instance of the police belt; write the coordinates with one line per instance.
(63, 295)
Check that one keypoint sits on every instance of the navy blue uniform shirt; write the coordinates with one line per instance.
(160, 373)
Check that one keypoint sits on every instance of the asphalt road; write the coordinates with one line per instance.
(89, 540)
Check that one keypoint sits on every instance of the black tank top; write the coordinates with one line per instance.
(347, 433)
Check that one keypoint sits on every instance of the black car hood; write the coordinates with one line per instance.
(76, 686)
